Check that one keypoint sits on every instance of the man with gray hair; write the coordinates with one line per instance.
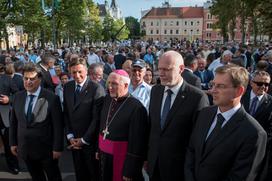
(221, 61)
(96, 73)
(174, 105)
(123, 132)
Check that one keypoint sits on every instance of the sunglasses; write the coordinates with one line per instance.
(261, 84)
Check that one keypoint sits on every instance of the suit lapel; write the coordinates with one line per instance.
(232, 124)
(205, 130)
(82, 94)
(179, 100)
(158, 103)
(22, 108)
(246, 101)
(262, 104)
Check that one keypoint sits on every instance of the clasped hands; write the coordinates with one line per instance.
(76, 143)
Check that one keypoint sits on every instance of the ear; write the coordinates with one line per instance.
(126, 85)
(181, 68)
(240, 91)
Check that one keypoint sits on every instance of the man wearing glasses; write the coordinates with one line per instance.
(36, 128)
(258, 103)
(227, 143)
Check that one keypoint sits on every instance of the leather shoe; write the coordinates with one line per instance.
(14, 171)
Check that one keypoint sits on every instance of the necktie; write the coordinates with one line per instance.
(216, 130)
(29, 108)
(253, 106)
(166, 107)
(77, 92)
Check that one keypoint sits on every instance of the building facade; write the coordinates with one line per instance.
(184, 23)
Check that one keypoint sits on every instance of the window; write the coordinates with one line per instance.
(197, 23)
(177, 23)
(185, 32)
(209, 35)
(165, 32)
(151, 32)
(165, 23)
(143, 23)
(209, 25)
(177, 32)
(151, 23)
(185, 23)
(171, 23)
(157, 31)
(192, 23)
(209, 16)
(197, 31)
(171, 32)
(158, 23)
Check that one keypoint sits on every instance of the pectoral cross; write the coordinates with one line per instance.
(105, 132)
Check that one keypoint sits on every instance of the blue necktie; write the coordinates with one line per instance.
(253, 106)
(29, 108)
(166, 107)
(77, 92)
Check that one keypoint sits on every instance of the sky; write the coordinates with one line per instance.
(134, 7)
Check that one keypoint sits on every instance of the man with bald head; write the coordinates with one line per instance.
(173, 108)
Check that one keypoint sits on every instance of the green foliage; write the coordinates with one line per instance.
(133, 26)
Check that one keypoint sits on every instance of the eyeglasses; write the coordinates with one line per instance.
(261, 83)
(31, 79)
(218, 86)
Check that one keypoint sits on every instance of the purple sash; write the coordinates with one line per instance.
(118, 149)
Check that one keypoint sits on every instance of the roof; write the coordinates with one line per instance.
(175, 12)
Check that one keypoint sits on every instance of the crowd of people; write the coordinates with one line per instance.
(148, 111)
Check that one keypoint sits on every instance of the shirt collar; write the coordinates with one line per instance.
(82, 83)
(188, 69)
(228, 114)
(174, 89)
(252, 95)
(36, 94)
(43, 67)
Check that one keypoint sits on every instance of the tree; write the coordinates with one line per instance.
(93, 24)
(120, 30)
(108, 25)
(133, 26)
(225, 11)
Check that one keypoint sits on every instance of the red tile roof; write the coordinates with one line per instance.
(175, 12)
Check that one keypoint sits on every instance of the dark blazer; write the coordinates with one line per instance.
(47, 82)
(8, 88)
(44, 134)
(167, 146)
(264, 117)
(79, 116)
(107, 69)
(18, 81)
(234, 155)
(207, 77)
(119, 59)
(191, 78)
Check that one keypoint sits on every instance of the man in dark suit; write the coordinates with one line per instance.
(173, 108)
(190, 63)
(119, 59)
(109, 65)
(81, 100)
(206, 76)
(36, 129)
(7, 91)
(47, 62)
(227, 143)
(18, 77)
(259, 104)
